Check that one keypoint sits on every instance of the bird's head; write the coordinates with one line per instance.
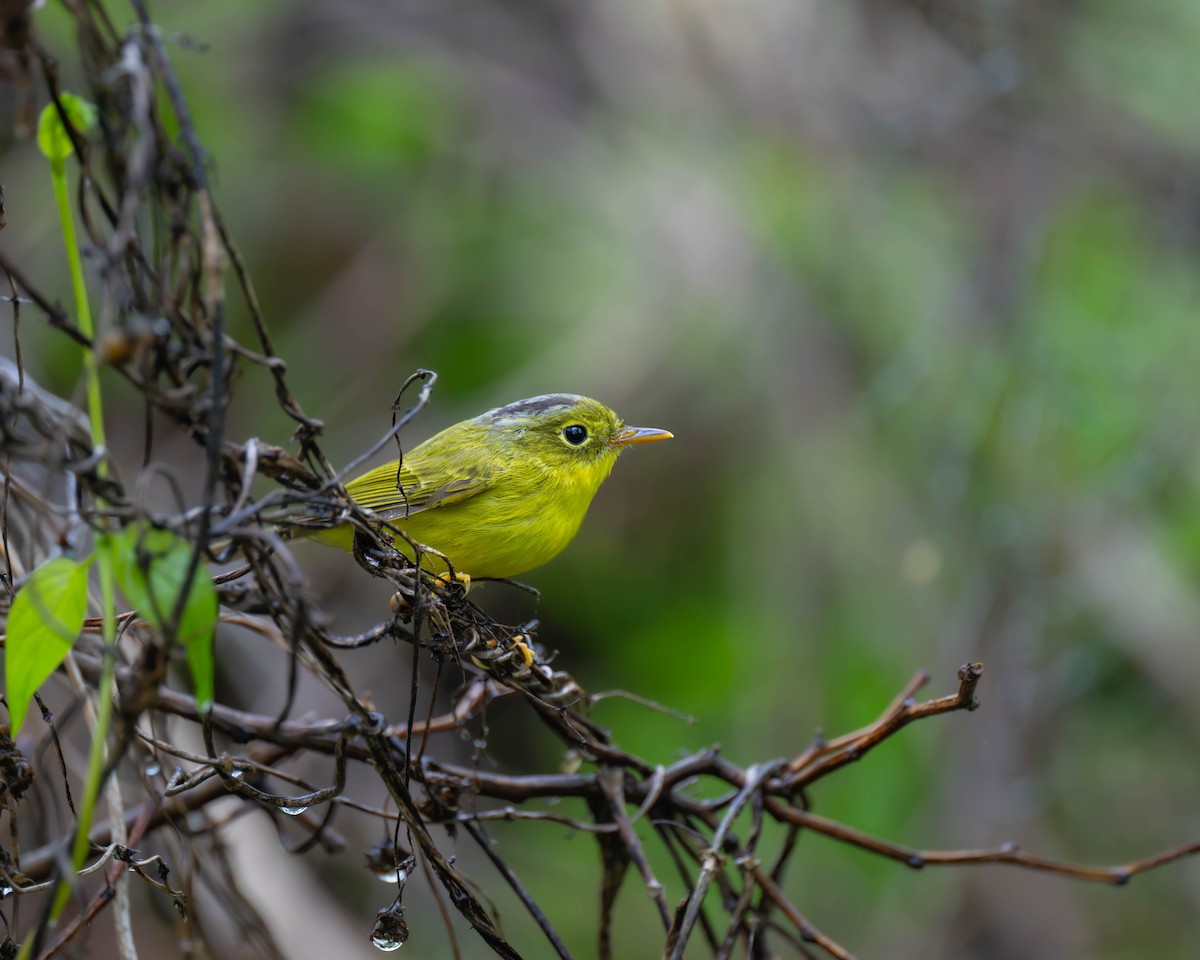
(568, 432)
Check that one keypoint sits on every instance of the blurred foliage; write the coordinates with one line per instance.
(914, 284)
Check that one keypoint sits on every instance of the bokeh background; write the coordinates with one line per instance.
(914, 283)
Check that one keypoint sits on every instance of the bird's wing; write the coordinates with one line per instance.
(421, 483)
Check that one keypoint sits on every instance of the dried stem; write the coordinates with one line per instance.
(166, 251)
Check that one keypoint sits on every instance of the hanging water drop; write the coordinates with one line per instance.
(389, 863)
(390, 930)
(393, 876)
(293, 811)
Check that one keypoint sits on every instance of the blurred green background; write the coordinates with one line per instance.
(914, 283)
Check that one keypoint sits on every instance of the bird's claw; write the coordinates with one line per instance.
(459, 576)
(400, 602)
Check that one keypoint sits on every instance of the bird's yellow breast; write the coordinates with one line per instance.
(501, 532)
(526, 517)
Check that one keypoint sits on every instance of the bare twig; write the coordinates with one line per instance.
(149, 210)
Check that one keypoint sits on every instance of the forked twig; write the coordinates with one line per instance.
(165, 251)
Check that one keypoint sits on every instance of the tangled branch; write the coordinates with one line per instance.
(165, 335)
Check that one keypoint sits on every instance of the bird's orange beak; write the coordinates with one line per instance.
(631, 435)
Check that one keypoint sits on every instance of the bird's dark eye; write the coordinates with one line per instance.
(575, 434)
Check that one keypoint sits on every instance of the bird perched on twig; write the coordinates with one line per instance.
(503, 492)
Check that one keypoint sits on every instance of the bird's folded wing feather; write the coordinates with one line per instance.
(422, 483)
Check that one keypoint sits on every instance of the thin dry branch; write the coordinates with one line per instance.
(165, 251)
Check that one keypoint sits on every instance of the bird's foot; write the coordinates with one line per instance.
(400, 603)
(459, 576)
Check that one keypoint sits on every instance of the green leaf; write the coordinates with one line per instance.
(150, 565)
(46, 617)
(52, 135)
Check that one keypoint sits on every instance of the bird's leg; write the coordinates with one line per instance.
(399, 600)
(435, 611)
(461, 577)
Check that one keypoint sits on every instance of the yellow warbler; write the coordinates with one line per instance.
(501, 493)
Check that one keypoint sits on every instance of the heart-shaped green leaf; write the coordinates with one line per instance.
(151, 565)
(52, 136)
(46, 617)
